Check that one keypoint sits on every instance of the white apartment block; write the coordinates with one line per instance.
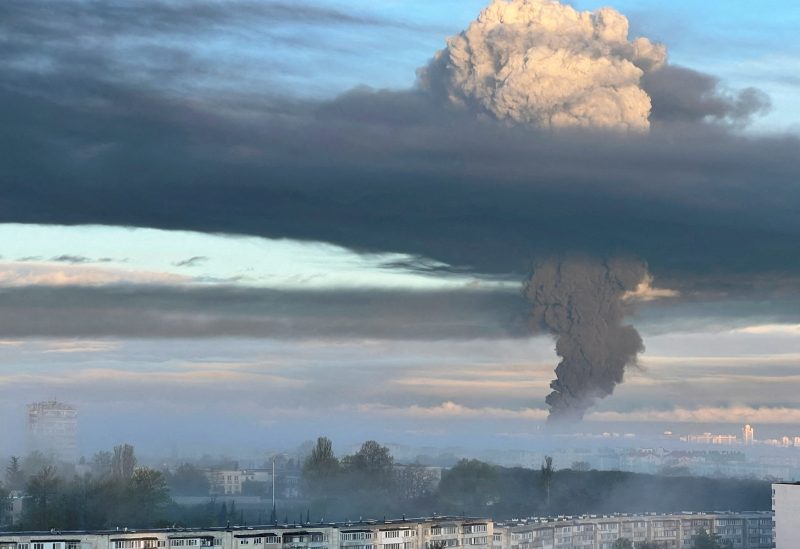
(397, 534)
(53, 428)
(786, 510)
(230, 482)
(743, 530)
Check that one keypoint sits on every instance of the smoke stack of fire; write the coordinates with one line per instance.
(545, 64)
(582, 302)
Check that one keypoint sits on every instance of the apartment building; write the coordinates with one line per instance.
(743, 530)
(426, 533)
(52, 429)
(786, 509)
(231, 482)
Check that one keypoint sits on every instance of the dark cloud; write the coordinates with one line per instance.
(175, 312)
(471, 312)
(193, 261)
(681, 94)
(74, 259)
(58, 20)
(381, 171)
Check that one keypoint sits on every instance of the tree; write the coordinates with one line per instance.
(4, 505)
(374, 463)
(580, 466)
(42, 491)
(321, 466)
(188, 480)
(622, 543)
(470, 485)
(547, 478)
(101, 464)
(704, 540)
(123, 462)
(148, 495)
(15, 477)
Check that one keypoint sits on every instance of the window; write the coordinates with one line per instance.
(258, 541)
(474, 528)
(392, 534)
(38, 546)
(355, 536)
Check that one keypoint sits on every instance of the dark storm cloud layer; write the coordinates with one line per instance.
(392, 171)
(131, 311)
(174, 312)
(52, 21)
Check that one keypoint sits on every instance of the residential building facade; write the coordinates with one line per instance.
(53, 429)
(743, 530)
(677, 531)
(786, 510)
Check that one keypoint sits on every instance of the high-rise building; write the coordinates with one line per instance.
(53, 429)
(747, 434)
(786, 509)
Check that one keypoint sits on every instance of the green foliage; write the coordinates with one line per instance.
(622, 543)
(188, 480)
(547, 478)
(704, 540)
(580, 466)
(321, 465)
(101, 464)
(365, 484)
(123, 462)
(15, 476)
(42, 511)
(373, 463)
(148, 495)
(4, 506)
(470, 484)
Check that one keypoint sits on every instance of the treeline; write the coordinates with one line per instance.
(112, 491)
(116, 491)
(362, 485)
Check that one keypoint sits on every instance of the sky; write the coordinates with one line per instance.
(272, 221)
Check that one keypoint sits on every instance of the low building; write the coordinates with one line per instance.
(677, 531)
(387, 534)
(234, 482)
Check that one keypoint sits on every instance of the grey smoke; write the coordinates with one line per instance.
(582, 303)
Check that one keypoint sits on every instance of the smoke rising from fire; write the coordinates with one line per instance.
(582, 302)
(541, 63)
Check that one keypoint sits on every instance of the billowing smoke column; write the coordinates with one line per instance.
(582, 302)
(541, 63)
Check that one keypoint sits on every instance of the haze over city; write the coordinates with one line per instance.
(233, 227)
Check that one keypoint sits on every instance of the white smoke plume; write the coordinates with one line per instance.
(582, 302)
(545, 64)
